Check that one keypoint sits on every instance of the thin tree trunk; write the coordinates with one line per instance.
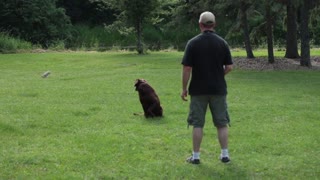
(245, 29)
(139, 36)
(292, 44)
(305, 37)
(269, 31)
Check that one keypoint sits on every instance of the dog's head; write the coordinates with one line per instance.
(138, 82)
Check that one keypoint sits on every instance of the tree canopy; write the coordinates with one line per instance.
(161, 23)
(38, 21)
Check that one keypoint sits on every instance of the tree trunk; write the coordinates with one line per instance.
(292, 44)
(269, 31)
(139, 36)
(245, 29)
(305, 37)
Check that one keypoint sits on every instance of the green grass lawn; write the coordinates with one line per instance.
(263, 52)
(78, 123)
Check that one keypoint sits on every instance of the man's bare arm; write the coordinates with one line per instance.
(186, 74)
(227, 69)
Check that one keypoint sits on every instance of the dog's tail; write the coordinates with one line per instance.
(138, 114)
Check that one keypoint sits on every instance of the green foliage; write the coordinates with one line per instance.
(138, 10)
(315, 25)
(37, 21)
(153, 37)
(90, 12)
(117, 36)
(98, 38)
(160, 23)
(9, 44)
(78, 123)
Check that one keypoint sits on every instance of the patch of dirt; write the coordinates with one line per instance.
(39, 51)
(262, 64)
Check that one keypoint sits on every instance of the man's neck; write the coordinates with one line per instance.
(206, 29)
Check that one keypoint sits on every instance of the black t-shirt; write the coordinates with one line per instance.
(207, 53)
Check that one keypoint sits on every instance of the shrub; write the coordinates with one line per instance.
(9, 44)
(37, 21)
(98, 38)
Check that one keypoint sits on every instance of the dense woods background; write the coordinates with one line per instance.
(290, 25)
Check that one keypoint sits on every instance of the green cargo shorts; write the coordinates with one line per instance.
(218, 108)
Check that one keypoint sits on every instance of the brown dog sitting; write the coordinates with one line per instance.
(148, 98)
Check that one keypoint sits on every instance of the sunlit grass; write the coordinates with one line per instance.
(280, 53)
(78, 123)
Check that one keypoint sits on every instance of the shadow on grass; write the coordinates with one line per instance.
(155, 120)
(223, 171)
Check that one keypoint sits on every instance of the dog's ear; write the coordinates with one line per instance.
(136, 82)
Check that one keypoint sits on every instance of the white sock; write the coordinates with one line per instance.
(224, 153)
(195, 155)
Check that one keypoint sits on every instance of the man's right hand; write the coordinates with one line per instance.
(184, 95)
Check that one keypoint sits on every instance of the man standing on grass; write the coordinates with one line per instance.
(207, 59)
